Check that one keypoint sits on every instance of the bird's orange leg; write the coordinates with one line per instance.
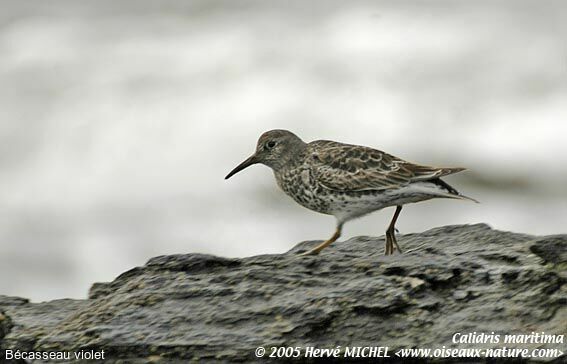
(390, 234)
(388, 245)
(326, 243)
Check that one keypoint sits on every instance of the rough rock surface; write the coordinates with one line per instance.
(466, 278)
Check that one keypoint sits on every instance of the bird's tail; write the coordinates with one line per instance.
(462, 197)
(448, 191)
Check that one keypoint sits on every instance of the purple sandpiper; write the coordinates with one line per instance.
(347, 181)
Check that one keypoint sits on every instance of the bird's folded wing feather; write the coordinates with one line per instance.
(347, 167)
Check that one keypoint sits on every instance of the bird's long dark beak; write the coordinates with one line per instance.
(247, 163)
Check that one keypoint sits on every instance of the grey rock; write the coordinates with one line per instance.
(197, 307)
(551, 249)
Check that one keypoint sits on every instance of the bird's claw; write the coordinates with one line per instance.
(309, 252)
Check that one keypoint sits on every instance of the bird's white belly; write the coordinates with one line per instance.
(349, 207)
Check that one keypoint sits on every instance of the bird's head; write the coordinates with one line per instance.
(274, 149)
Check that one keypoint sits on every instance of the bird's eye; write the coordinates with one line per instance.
(270, 144)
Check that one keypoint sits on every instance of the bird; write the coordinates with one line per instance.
(347, 181)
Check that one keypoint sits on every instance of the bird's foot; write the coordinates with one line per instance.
(309, 252)
(389, 248)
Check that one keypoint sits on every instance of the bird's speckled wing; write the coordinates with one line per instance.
(346, 167)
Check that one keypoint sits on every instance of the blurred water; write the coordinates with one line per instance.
(119, 120)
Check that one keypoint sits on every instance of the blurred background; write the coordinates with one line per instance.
(119, 120)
